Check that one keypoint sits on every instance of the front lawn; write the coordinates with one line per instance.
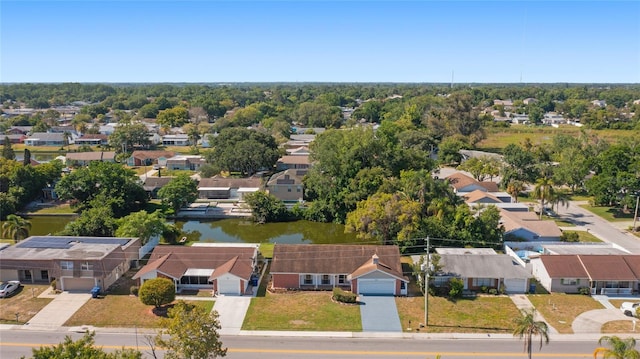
(561, 309)
(619, 326)
(301, 311)
(484, 314)
(121, 311)
(610, 214)
(25, 302)
(585, 236)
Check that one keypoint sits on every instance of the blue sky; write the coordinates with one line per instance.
(300, 41)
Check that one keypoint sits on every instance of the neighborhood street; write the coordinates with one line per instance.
(19, 342)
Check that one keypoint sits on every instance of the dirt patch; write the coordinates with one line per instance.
(298, 322)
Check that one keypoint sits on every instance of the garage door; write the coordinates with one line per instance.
(228, 286)
(376, 286)
(78, 284)
(516, 285)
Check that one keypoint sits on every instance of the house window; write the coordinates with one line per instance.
(308, 279)
(288, 189)
(482, 282)
(325, 279)
(569, 281)
(44, 274)
(440, 281)
(342, 279)
(66, 265)
(298, 189)
(86, 266)
(403, 285)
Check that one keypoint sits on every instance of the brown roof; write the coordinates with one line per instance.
(490, 186)
(513, 220)
(156, 182)
(460, 180)
(143, 155)
(607, 267)
(175, 260)
(374, 264)
(234, 266)
(90, 156)
(331, 258)
(634, 264)
(290, 176)
(231, 182)
(294, 160)
(477, 195)
(564, 266)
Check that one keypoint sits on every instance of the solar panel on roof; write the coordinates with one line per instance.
(67, 242)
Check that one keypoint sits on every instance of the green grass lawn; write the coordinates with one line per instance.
(561, 309)
(483, 314)
(63, 208)
(609, 213)
(267, 250)
(563, 222)
(584, 236)
(301, 311)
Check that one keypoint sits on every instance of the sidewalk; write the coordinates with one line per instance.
(56, 313)
(522, 302)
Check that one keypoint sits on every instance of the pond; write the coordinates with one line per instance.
(232, 230)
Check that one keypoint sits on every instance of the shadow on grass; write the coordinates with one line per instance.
(508, 330)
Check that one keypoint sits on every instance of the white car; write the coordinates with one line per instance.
(9, 287)
(630, 308)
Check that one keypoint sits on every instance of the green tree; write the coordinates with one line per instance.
(114, 184)
(242, 150)
(449, 150)
(141, 225)
(619, 348)
(193, 333)
(514, 188)
(27, 157)
(388, 218)
(94, 222)
(83, 348)
(157, 292)
(544, 191)
(317, 114)
(129, 135)
(266, 207)
(528, 327)
(7, 150)
(456, 286)
(179, 192)
(173, 117)
(16, 228)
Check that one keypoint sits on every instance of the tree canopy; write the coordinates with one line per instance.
(242, 150)
(179, 192)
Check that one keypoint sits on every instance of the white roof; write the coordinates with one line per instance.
(248, 189)
(214, 188)
(199, 272)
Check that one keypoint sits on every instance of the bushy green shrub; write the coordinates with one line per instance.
(570, 237)
(343, 296)
(493, 291)
(134, 290)
(456, 285)
(584, 290)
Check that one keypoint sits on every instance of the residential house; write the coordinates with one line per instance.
(226, 268)
(185, 162)
(481, 269)
(296, 141)
(84, 158)
(520, 119)
(175, 140)
(552, 118)
(363, 269)
(228, 188)
(19, 130)
(601, 274)
(298, 151)
(287, 185)
(528, 227)
(148, 158)
(45, 139)
(152, 185)
(93, 140)
(19, 138)
(599, 103)
(76, 263)
(462, 183)
(299, 162)
(506, 103)
(529, 101)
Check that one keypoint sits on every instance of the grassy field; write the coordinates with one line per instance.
(499, 138)
(267, 250)
(301, 311)
(561, 309)
(479, 315)
(25, 303)
(62, 208)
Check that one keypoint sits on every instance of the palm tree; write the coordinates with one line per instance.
(559, 198)
(620, 348)
(514, 188)
(543, 191)
(16, 227)
(527, 327)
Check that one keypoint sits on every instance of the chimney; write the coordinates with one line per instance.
(375, 259)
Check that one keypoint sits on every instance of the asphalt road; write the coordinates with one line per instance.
(16, 343)
(599, 227)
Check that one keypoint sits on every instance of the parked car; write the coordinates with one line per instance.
(7, 288)
(629, 308)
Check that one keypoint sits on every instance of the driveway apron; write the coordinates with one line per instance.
(61, 308)
(379, 314)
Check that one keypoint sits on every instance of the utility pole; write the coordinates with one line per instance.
(426, 288)
(635, 214)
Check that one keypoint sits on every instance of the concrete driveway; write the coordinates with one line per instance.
(232, 310)
(379, 314)
(61, 308)
(592, 321)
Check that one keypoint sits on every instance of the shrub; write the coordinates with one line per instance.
(157, 292)
(570, 237)
(584, 290)
(134, 290)
(493, 291)
(54, 284)
(503, 288)
(343, 296)
(484, 289)
(456, 286)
